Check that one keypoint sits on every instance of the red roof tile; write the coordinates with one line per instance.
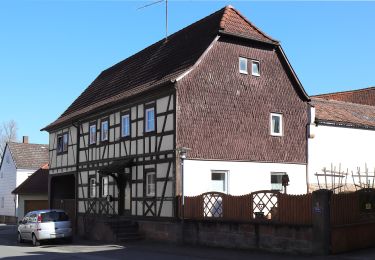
(158, 64)
(344, 113)
(364, 96)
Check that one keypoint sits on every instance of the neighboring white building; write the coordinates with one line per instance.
(342, 138)
(33, 192)
(19, 161)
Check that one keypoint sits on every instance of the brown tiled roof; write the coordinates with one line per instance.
(37, 183)
(158, 64)
(28, 156)
(364, 96)
(344, 113)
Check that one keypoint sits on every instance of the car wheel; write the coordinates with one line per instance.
(35, 241)
(19, 238)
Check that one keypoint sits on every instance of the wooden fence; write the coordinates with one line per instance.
(352, 208)
(257, 206)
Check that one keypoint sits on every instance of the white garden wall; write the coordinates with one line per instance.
(348, 147)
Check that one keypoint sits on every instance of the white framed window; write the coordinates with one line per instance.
(150, 184)
(276, 180)
(125, 125)
(255, 68)
(92, 134)
(242, 63)
(150, 119)
(276, 124)
(104, 131)
(105, 186)
(2, 202)
(219, 181)
(92, 188)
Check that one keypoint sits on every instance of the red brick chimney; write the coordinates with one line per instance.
(25, 139)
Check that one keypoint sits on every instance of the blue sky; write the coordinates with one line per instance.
(50, 51)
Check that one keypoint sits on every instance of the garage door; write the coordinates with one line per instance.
(31, 205)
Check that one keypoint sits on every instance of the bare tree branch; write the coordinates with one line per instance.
(8, 133)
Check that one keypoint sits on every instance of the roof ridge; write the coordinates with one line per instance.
(249, 22)
(13, 142)
(319, 99)
(345, 91)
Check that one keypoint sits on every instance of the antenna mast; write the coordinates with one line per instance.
(166, 14)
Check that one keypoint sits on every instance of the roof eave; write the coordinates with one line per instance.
(79, 117)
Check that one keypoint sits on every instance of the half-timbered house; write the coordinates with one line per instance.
(220, 87)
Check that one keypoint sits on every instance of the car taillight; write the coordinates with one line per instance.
(39, 219)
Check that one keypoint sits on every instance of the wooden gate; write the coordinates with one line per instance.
(352, 220)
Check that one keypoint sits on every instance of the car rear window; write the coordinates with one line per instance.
(54, 216)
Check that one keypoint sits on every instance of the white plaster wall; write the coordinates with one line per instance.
(21, 203)
(243, 177)
(11, 178)
(7, 184)
(349, 147)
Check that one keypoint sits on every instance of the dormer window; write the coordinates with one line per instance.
(243, 65)
(255, 68)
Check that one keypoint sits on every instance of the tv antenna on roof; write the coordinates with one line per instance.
(166, 13)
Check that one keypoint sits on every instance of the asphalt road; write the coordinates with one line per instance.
(10, 249)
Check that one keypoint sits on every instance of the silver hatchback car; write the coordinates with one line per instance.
(46, 224)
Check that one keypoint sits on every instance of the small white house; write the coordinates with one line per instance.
(19, 161)
(33, 192)
(341, 144)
